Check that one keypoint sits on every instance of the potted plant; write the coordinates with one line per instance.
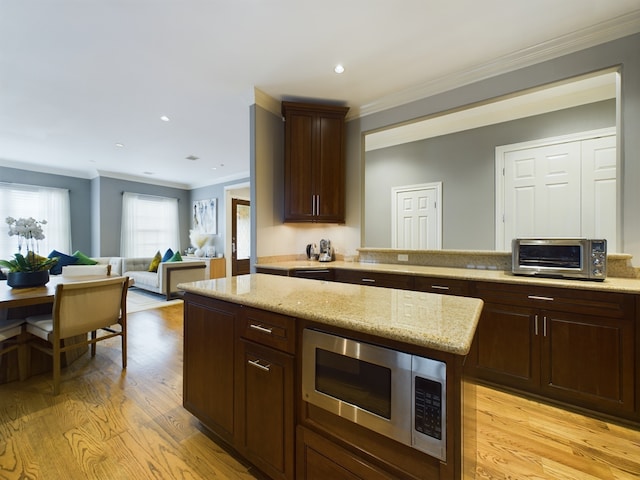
(29, 270)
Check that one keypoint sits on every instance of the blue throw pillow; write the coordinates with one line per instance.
(167, 255)
(63, 260)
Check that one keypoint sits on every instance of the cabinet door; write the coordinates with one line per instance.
(266, 405)
(209, 365)
(588, 360)
(506, 346)
(329, 170)
(299, 151)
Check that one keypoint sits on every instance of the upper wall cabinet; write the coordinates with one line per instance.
(314, 165)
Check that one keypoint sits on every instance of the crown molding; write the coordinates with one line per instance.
(267, 102)
(572, 42)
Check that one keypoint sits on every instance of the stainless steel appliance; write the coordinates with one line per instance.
(579, 258)
(326, 252)
(396, 394)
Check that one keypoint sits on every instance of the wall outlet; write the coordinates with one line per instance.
(403, 257)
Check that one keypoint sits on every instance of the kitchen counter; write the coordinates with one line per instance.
(439, 322)
(612, 284)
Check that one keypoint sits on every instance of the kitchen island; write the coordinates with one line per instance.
(242, 372)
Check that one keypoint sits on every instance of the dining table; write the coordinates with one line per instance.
(20, 303)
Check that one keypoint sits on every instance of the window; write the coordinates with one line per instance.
(149, 224)
(41, 203)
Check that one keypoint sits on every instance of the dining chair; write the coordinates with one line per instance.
(79, 308)
(10, 330)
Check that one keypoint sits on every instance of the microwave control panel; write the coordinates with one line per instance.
(428, 407)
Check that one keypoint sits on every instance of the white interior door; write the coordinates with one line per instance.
(417, 217)
(560, 187)
(542, 192)
(599, 186)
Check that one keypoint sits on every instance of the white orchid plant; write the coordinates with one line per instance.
(29, 231)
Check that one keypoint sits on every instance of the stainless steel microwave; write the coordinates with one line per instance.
(396, 394)
(579, 258)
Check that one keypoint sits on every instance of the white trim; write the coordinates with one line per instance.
(437, 186)
(610, 30)
(502, 150)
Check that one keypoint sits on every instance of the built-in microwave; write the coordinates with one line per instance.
(579, 258)
(396, 394)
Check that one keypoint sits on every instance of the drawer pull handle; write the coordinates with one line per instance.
(537, 297)
(261, 329)
(257, 364)
(439, 287)
(368, 280)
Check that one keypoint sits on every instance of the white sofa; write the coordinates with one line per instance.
(115, 262)
(165, 281)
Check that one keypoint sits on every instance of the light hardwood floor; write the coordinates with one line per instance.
(114, 424)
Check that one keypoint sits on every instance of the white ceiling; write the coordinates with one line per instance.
(79, 76)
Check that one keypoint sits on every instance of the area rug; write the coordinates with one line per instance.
(138, 300)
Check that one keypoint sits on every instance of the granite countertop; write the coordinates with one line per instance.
(440, 322)
(612, 284)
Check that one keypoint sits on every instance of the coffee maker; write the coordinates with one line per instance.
(326, 252)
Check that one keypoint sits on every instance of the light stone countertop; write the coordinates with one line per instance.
(440, 322)
(611, 284)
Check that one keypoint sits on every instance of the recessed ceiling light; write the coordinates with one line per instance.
(338, 68)
(119, 145)
(164, 118)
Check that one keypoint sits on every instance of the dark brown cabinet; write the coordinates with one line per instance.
(444, 286)
(374, 279)
(314, 173)
(265, 401)
(569, 345)
(320, 459)
(239, 373)
(209, 352)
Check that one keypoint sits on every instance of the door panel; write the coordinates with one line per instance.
(240, 236)
(416, 222)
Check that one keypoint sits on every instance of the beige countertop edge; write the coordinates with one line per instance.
(612, 284)
(450, 328)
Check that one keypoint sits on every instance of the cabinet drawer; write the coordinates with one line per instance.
(607, 304)
(447, 286)
(268, 328)
(313, 273)
(376, 279)
(272, 271)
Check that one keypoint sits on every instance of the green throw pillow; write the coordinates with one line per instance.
(83, 259)
(175, 258)
(157, 258)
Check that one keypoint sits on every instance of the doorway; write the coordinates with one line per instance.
(240, 236)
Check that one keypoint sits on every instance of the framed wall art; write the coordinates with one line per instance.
(205, 216)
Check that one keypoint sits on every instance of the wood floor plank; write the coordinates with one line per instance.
(110, 423)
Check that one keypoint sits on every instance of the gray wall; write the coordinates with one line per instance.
(217, 192)
(622, 52)
(465, 164)
(110, 208)
(79, 197)
(96, 207)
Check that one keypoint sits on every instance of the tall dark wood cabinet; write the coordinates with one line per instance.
(314, 184)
